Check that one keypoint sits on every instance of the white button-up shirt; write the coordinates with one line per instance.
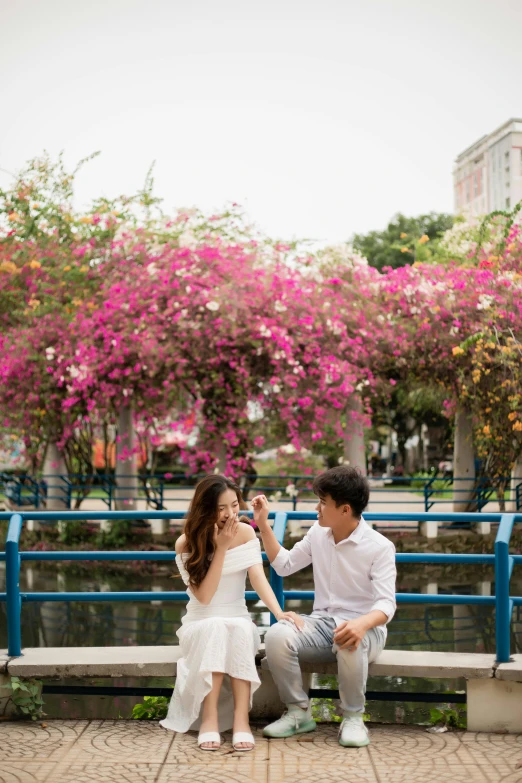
(351, 578)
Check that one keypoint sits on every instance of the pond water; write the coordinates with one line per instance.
(414, 627)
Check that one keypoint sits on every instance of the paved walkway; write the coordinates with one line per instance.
(132, 752)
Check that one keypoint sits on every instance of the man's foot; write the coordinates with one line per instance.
(353, 733)
(294, 721)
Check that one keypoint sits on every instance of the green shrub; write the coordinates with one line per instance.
(153, 708)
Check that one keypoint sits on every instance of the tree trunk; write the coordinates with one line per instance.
(354, 448)
(126, 493)
(516, 481)
(54, 473)
(463, 462)
(222, 458)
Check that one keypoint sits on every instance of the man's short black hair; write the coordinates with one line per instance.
(344, 485)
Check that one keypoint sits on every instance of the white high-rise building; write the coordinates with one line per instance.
(488, 175)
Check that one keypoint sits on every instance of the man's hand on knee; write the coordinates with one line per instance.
(349, 634)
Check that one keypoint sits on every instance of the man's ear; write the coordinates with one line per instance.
(347, 509)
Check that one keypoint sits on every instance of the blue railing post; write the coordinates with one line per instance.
(503, 602)
(12, 587)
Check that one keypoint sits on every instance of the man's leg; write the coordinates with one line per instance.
(286, 648)
(352, 674)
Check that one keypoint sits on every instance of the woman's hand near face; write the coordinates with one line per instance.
(224, 537)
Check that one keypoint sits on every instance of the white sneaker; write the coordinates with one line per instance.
(294, 721)
(353, 733)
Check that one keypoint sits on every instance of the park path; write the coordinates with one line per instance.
(143, 752)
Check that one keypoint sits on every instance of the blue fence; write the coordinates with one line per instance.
(502, 560)
(159, 489)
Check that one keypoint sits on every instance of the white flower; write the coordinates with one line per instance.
(49, 353)
(264, 331)
(276, 388)
(152, 269)
(280, 307)
(213, 306)
(485, 301)
(291, 491)
(289, 448)
(188, 239)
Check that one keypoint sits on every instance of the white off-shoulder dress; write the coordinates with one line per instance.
(218, 637)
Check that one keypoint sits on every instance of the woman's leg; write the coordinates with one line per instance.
(209, 714)
(241, 693)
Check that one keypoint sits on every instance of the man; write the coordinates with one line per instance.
(354, 577)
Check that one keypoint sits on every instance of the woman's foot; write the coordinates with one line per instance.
(209, 727)
(242, 727)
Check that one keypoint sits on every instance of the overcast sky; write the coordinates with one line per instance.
(321, 117)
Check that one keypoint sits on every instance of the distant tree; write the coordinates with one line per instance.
(404, 240)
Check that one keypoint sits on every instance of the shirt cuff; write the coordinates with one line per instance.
(280, 560)
(386, 606)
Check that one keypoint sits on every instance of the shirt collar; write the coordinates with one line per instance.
(355, 536)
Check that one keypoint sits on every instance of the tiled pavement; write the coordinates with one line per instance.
(136, 752)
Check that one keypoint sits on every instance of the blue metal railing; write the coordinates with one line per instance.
(158, 489)
(502, 561)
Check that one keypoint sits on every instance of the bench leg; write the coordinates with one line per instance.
(494, 705)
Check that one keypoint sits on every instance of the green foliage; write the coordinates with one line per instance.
(26, 696)
(452, 718)
(117, 536)
(73, 531)
(441, 487)
(399, 244)
(410, 405)
(153, 708)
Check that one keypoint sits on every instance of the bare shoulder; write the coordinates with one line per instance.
(180, 544)
(245, 533)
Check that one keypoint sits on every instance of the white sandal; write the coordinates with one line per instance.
(209, 736)
(242, 736)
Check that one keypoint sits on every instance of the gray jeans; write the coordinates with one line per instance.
(286, 648)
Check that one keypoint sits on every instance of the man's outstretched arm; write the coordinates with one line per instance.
(283, 561)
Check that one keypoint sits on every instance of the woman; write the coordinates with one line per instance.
(217, 636)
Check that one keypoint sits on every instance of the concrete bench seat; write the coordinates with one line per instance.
(510, 671)
(494, 693)
(161, 661)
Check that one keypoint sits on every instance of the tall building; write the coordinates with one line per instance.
(488, 175)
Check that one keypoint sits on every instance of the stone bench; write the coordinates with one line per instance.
(494, 693)
(161, 661)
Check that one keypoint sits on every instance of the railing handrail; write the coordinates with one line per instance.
(503, 561)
